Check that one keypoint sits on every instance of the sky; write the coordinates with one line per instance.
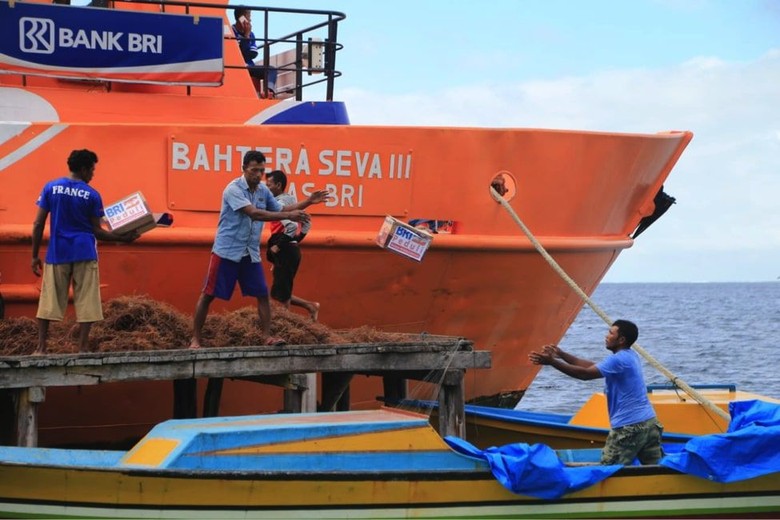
(708, 66)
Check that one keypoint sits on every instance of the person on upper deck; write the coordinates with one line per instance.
(235, 256)
(242, 31)
(635, 433)
(284, 251)
(71, 257)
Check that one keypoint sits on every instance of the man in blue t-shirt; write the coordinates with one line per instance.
(235, 256)
(71, 257)
(635, 433)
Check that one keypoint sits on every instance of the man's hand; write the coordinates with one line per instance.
(552, 350)
(319, 196)
(37, 266)
(298, 215)
(244, 26)
(128, 237)
(540, 358)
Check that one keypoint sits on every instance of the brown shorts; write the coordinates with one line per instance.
(57, 279)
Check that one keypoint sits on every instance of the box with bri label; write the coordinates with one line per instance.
(132, 213)
(403, 239)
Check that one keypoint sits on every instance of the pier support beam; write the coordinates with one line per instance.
(303, 396)
(452, 412)
(28, 400)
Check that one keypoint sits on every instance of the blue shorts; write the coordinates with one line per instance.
(223, 274)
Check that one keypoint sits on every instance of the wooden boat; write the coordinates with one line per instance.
(582, 193)
(682, 418)
(367, 464)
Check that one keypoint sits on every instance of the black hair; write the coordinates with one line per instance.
(278, 176)
(81, 160)
(238, 11)
(628, 330)
(253, 155)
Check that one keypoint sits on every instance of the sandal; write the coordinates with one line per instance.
(272, 341)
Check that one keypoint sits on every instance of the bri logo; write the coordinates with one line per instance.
(40, 36)
(115, 210)
(36, 35)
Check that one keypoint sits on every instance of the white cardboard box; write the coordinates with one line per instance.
(132, 213)
(403, 239)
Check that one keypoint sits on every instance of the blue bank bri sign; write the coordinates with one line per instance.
(106, 44)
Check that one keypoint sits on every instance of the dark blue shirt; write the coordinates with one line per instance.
(71, 205)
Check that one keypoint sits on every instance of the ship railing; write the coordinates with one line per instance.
(303, 58)
(293, 55)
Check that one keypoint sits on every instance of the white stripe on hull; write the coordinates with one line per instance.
(655, 508)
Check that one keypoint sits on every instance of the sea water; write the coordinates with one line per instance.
(704, 333)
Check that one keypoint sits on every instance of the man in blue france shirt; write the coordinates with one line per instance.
(235, 256)
(71, 256)
(635, 433)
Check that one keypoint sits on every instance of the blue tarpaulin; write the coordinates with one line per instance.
(534, 470)
(749, 449)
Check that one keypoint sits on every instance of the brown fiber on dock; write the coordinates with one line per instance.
(139, 323)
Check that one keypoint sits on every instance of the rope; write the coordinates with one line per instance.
(696, 396)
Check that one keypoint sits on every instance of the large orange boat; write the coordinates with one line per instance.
(582, 194)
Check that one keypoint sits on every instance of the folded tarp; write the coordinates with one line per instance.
(534, 470)
(747, 450)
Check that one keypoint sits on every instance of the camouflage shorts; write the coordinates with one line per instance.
(641, 440)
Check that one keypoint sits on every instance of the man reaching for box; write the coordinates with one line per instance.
(71, 256)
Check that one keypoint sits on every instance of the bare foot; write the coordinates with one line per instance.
(314, 311)
(194, 344)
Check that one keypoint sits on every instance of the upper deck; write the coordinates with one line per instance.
(159, 62)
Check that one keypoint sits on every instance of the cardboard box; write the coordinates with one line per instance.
(132, 213)
(403, 239)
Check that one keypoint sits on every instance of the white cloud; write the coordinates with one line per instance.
(727, 182)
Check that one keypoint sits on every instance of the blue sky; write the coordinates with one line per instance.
(712, 67)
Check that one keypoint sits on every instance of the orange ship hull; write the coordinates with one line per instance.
(581, 193)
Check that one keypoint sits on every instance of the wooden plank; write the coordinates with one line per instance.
(185, 366)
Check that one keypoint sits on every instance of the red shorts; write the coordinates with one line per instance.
(223, 274)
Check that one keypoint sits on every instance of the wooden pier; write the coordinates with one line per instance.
(440, 359)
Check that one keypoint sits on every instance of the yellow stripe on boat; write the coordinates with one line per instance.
(151, 452)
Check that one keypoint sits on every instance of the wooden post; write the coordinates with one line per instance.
(452, 411)
(8, 417)
(303, 397)
(212, 397)
(185, 404)
(27, 415)
(394, 389)
(309, 394)
(335, 391)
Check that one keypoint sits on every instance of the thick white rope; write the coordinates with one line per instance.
(696, 396)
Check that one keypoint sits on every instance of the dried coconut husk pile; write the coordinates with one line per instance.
(140, 323)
